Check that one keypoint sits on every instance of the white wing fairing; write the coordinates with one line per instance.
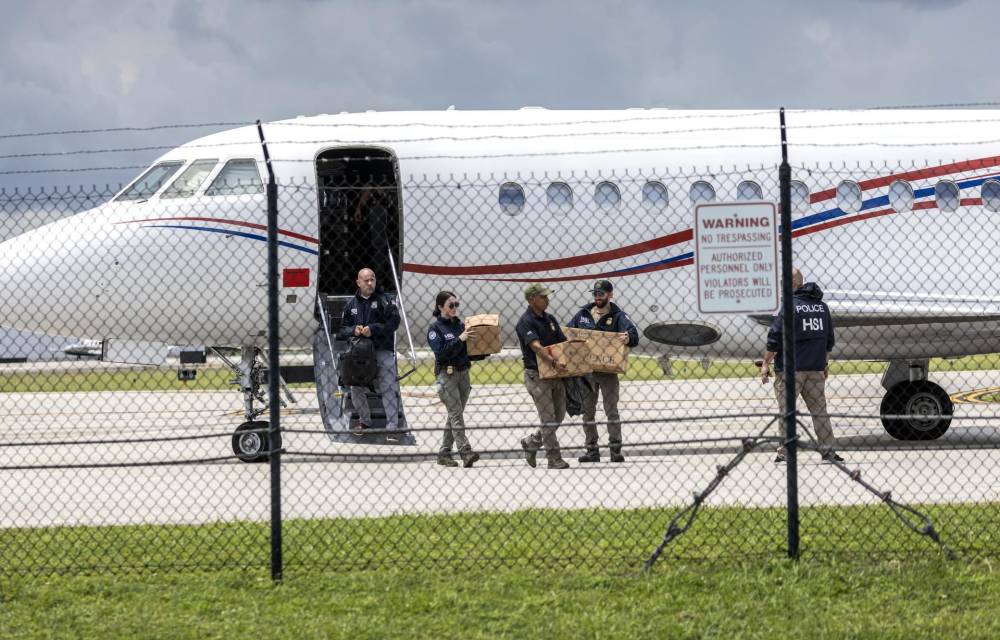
(487, 204)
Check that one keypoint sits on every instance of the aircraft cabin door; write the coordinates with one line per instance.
(360, 227)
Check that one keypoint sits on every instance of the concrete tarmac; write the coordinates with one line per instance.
(107, 457)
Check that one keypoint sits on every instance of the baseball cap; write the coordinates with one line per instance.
(603, 286)
(536, 289)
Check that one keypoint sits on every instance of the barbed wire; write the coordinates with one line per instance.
(39, 134)
(539, 136)
(444, 125)
(910, 107)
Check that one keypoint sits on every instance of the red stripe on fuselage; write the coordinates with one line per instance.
(919, 206)
(608, 274)
(560, 263)
(235, 223)
(919, 174)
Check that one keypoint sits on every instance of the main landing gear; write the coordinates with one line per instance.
(913, 407)
(251, 439)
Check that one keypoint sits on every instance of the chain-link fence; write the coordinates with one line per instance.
(133, 412)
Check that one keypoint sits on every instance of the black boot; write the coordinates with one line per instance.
(616, 452)
(469, 457)
(592, 455)
(445, 460)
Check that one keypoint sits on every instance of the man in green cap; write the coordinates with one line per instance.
(536, 330)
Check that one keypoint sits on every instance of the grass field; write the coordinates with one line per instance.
(549, 574)
(81, 378)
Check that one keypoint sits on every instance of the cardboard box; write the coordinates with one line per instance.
(575, 354)
(607, 353)
(487, 339)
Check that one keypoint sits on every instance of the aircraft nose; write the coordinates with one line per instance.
(48, 276)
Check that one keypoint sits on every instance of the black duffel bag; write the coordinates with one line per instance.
(357, 363)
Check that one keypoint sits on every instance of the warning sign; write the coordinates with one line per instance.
(736, 257)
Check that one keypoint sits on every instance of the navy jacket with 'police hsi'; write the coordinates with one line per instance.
(813, 330)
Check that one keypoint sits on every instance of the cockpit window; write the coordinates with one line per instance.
(150, 182)
(238, 177)
(190, 179)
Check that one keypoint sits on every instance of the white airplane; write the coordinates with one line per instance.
(481, 202)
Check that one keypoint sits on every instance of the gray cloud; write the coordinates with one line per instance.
(113, 63)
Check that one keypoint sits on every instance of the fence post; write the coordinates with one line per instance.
(273, 378)
(788, 348)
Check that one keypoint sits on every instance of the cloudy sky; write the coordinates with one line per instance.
(101, 64)
(117, 63)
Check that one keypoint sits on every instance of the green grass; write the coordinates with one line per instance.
(79, 378)
(557, 574)
(599, 537)
(744, 599)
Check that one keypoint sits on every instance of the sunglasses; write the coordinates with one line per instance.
(452, 305)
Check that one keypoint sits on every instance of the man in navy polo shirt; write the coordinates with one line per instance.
(536, 330)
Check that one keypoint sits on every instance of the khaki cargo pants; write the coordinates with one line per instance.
(454, 393)
(550, 402)
(811, 387)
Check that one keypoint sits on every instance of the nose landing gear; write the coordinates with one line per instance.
(251, 439)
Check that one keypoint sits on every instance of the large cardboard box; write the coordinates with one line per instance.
(575, 354)
(607, 353)
(487, 339)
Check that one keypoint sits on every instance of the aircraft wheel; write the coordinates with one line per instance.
(927, 402)
(250, 441)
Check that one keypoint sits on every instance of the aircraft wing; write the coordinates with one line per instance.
(879, 325)
(880, 308)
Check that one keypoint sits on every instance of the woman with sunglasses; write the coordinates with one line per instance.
(447, 336)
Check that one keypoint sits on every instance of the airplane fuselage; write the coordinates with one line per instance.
(192, 270)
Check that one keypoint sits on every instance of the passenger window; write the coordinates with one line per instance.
(901, 196)
(800, 197)
(849, 196)
(701, 191)
(511, 198)
(238, 177)
(607, 196)
(560, 196)
(991, 195)
(946, 194)
(190, 179)
(748, 190)
(150, 182)
(654, 195)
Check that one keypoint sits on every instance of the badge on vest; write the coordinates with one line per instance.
(374, 305)
(354, 312)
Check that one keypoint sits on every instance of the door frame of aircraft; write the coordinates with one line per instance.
(342, 175)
